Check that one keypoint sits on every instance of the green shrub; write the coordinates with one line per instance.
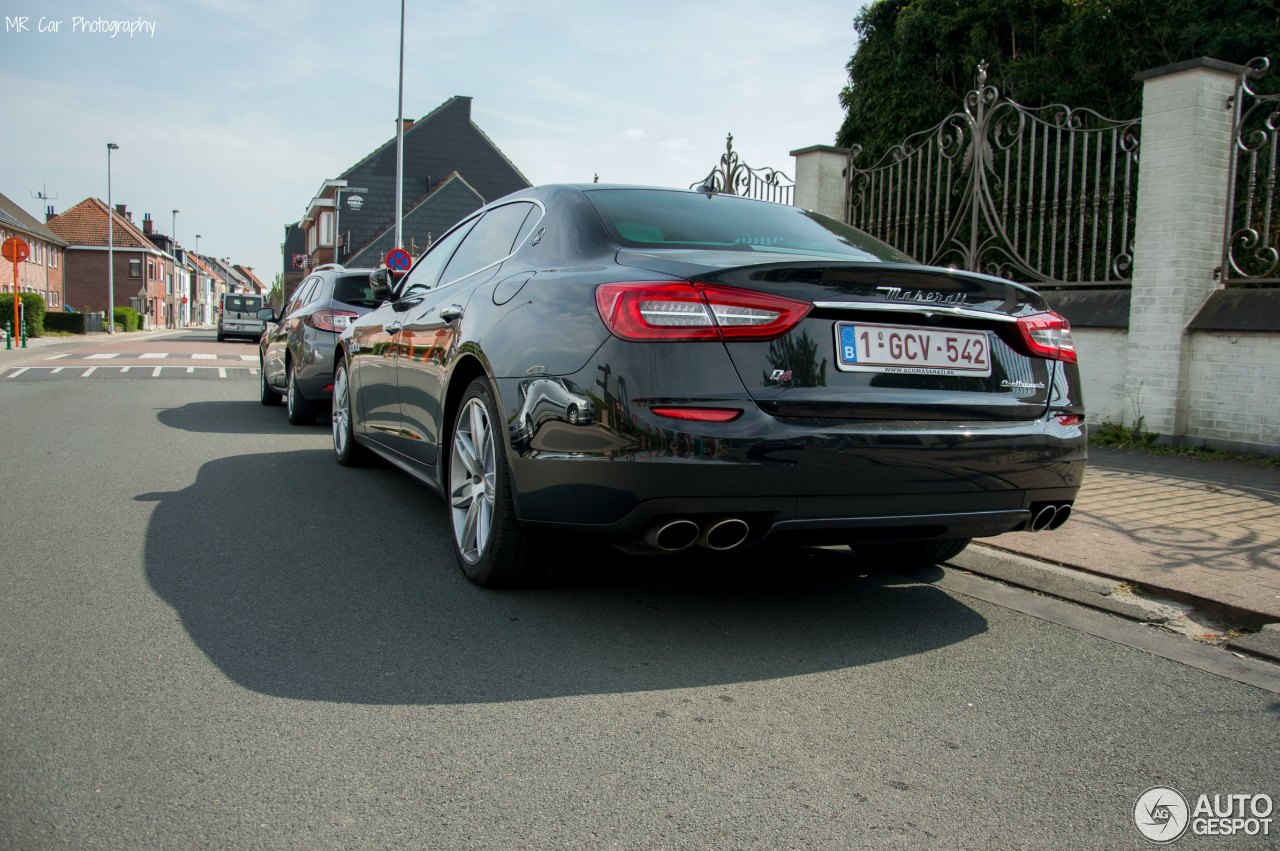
(58, 321)
(127, 318)
(1121, 436)
(33, 307)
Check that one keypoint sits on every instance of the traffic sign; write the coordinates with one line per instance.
(299, 261)
(15, 249)
(398, 260)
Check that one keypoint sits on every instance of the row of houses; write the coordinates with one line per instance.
(168, 284)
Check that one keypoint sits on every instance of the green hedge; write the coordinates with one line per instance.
(69, 322)
(33, 306)
(128, 318)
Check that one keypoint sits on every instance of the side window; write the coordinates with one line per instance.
(426, 271)
(300, 295)
(489, 242)
(530, 222)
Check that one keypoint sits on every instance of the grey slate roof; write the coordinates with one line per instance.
(425, 221)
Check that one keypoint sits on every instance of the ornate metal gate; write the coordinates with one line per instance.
(1041, 195)
(1251, 249)
(734, 177)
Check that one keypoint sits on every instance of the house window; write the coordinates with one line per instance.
(135, 268)
(311, 239)
(326, 228)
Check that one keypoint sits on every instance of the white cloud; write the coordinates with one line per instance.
(635, 133)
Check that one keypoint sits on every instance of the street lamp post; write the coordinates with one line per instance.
(111, 248)
(400, 138)
(176, 308)
(197, 271)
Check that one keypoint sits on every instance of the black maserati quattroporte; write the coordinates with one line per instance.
(663, 369)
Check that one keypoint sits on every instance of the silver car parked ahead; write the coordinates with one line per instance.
(296, 353)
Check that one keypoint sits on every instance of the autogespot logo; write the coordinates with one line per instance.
(1161, 814)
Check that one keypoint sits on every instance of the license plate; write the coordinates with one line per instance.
(905, 349)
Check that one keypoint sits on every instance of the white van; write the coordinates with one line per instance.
(238, 316)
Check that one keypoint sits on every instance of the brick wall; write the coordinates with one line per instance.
(1233, 392)
(1104, 366)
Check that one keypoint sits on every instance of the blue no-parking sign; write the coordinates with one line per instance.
(398, 260)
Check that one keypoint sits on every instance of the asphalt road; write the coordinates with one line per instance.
(211, 635)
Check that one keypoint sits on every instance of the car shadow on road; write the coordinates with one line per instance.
(342, 586)
(230, 417)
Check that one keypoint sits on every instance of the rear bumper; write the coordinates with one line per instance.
(800, 482)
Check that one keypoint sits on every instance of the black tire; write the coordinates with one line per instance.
(491, 547)
(266, 395)
(910, 553)
(221, 337)
(345, 448)
(302, 411)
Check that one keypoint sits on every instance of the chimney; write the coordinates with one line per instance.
(406, 123)
(146, 223)
(49, 213)
(122, 210)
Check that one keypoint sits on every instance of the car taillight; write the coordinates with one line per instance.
(1048, 335)
(331, 320)
(700, 415)
(645, 312)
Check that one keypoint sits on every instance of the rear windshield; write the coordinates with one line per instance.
(243, 303)
(656, 218)
(354, 290)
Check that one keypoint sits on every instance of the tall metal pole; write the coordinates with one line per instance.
(400, 137)
(111, 248)
(175, 310)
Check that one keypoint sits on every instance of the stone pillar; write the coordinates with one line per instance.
(1181, 218)
(820, 179)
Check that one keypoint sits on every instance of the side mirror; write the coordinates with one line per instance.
(382, 284)
(267, 314)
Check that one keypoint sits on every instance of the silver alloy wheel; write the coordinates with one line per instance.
(341, 412)
(472, 480)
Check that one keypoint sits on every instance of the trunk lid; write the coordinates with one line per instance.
(882, 342)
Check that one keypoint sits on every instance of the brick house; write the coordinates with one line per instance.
(450, 169)
(42, 272)
(140, 267)
(207, 287)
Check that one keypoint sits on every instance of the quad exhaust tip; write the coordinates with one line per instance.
(1050, 516)
(672, 536)
(724, 534)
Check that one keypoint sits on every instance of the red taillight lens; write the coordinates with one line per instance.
(701, 415)
(331, 320)
(645, 312)
(1048, 335)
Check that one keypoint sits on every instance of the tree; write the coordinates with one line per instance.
(277, 291)
(916, 58)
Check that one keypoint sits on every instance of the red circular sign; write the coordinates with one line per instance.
(184, 299)
(398, 260)
(15, 249)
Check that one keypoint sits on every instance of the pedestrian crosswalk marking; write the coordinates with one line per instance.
(124, 369)
(55, 357)
(204, 357)
(88, 372)
(222, 372)
(190, 369)
(18, 372)
(154, 355)
(57, 369)
(248, 357)
(101, 356)
(155, 373)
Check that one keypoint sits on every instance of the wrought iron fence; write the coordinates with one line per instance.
(1041, 195)
(734, 177)
(1251, 247)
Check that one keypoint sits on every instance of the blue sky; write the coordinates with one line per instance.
(234, 111)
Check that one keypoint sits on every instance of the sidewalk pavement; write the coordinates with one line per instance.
(1203, 531)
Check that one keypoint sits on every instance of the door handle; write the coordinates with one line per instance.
(450, 313)
(394, 327)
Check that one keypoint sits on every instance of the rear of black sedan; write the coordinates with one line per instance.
(757, 374)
